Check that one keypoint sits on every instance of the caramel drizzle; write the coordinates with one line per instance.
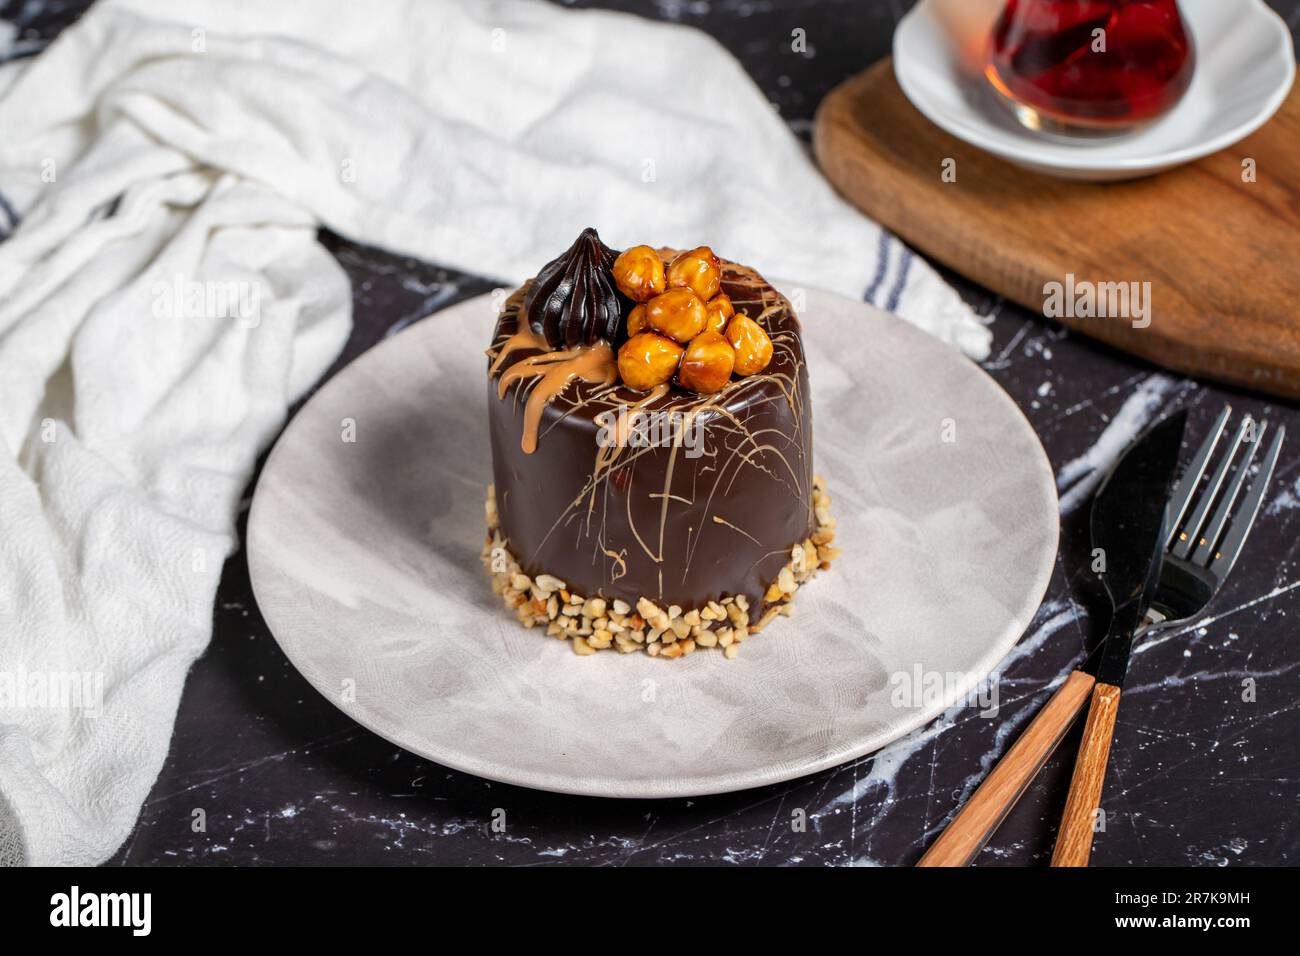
(553, 371)
(523, 338)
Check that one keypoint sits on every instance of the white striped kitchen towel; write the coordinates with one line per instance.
(159, 145)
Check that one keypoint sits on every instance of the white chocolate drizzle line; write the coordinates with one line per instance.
(718, 519)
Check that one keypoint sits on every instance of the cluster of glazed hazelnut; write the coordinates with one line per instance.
(683, 328)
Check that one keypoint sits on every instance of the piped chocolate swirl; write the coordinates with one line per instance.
(573, 301)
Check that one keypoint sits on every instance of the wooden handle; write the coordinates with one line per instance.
(1074, 841)
(984, 812)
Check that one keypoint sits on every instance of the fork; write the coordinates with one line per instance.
(1199, 554)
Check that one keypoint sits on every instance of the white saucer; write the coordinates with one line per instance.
(363, 547)
(1245, 64)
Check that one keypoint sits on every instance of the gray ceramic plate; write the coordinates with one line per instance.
(364, 556)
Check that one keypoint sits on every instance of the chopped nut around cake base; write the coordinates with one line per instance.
(595, 624)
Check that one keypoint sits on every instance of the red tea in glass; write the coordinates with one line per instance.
(1090, 65)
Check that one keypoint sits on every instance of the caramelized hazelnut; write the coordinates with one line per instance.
(677, 313)
(636, 321)
(752, 345)
(698, 270)
(719, 311)
(647, 360)
(639, 273)
(706, 366)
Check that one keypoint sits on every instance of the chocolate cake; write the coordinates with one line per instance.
(651, 452)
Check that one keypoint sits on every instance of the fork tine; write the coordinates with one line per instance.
(1182, 494)
(1205, 543)
(1206, 498)
(1230, 548)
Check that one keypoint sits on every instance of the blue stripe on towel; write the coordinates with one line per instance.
(896, 292)
(882, 266)
(8, 217)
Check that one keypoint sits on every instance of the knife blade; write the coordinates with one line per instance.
(1128, 524)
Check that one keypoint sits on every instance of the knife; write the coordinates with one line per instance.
(1129, 528)
(968, 831)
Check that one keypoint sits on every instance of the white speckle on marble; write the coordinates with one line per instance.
(1285, 499)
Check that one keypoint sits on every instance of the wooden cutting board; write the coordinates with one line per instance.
(1222, 255)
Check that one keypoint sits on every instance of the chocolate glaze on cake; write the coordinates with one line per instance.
(625, 522)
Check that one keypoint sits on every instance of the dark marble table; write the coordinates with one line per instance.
(1198, 775)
